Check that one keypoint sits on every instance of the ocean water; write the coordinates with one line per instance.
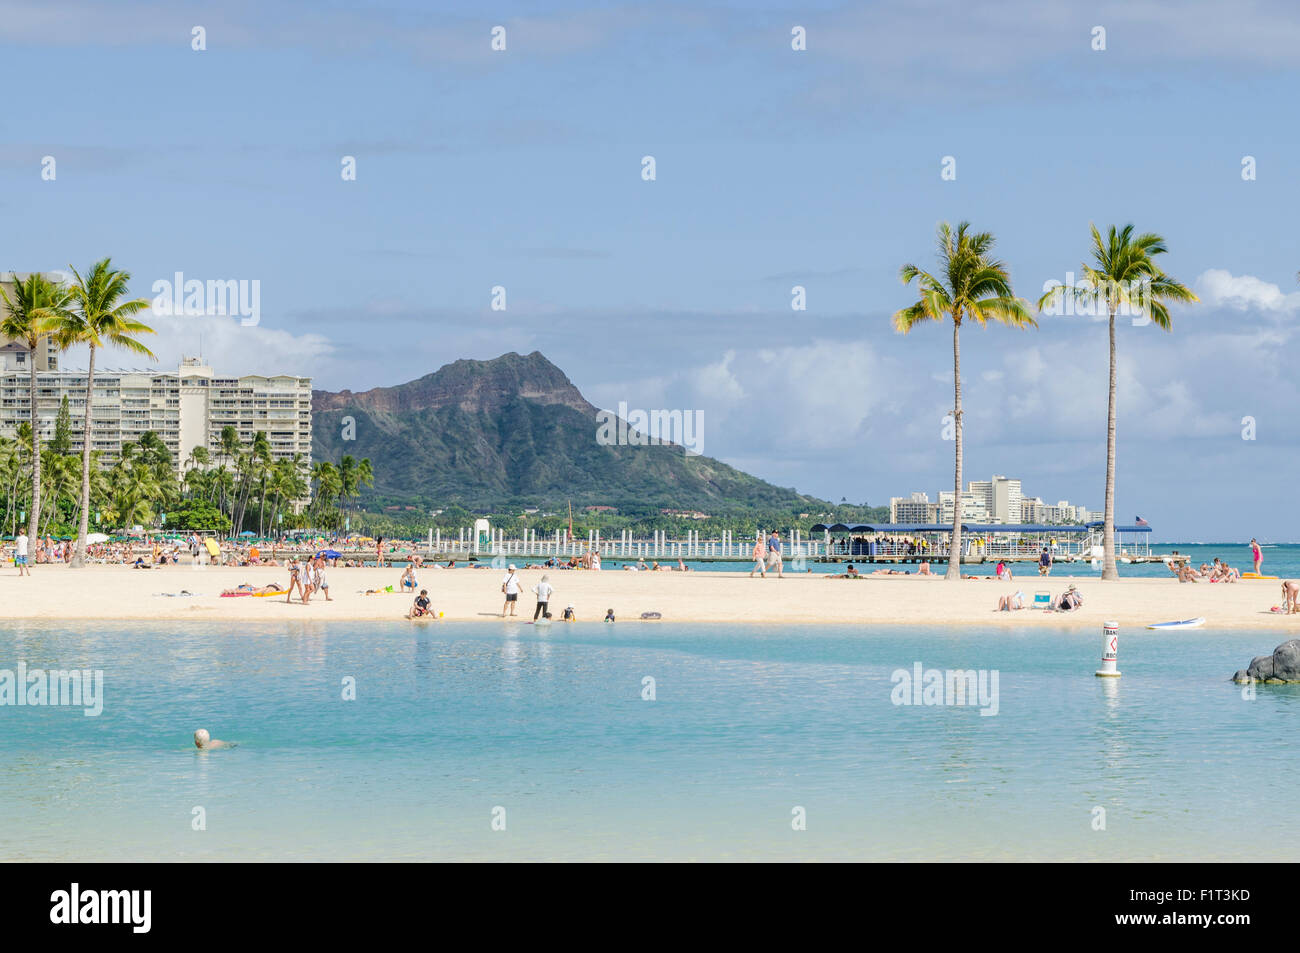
(1281, 559)
(549, 729)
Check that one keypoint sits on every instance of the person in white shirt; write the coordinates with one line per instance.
(20, 554)
(510, 586)
(320, 581)
(544, 591)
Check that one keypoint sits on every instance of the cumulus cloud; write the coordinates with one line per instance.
(229, 347)
(1220, 288)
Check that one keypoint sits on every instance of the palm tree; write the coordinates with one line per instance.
(32, 312)
(1123, 274)
(98, 318)
(970, 284)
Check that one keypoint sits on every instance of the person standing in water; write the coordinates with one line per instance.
(544, 591)
(1257, 555)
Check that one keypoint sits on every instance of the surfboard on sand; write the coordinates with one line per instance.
(1182, 624)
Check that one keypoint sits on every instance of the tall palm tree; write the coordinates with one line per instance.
(98, 318)
(1123, 274)
(970, 284)
(32, 313)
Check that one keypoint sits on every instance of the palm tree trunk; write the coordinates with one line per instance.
(954, 554)
(33, 524)
(83, 527)
(1108, 568)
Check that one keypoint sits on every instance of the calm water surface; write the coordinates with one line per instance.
(454, 720)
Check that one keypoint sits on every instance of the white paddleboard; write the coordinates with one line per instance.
(1184, 624)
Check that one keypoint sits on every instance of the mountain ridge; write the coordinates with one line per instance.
(515, 429)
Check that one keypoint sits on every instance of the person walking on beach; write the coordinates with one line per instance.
(319, 581)
(759, 566)
(774, 553)
(20, 554)
(544, 591)
(1257, 555)
(295, 581)
(1045, 563)
(510, 586)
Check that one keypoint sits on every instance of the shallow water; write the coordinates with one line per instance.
(454, 720)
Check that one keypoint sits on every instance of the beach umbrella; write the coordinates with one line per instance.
(97, 537)
(248, 532)
(329, 554)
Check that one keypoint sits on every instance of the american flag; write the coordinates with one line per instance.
(1139, 521)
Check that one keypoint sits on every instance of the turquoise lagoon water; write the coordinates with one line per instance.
(453, 720)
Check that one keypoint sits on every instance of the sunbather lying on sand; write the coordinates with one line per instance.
(244, 589)
(1008, 603)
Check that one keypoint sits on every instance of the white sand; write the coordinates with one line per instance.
(119, 592)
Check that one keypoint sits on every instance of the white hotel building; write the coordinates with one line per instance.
(187, 407)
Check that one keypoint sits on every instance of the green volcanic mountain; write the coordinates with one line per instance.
(513, 431)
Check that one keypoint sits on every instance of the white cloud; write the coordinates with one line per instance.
(229, 347)
(1220, 288)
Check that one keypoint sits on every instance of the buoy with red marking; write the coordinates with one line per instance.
(1109, 651)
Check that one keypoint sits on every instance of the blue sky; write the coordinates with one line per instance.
(774, 168)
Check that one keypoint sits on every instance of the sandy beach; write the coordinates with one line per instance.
(121, 593)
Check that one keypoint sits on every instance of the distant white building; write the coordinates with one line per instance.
(973, 509)
(916, 508)
(187, 408)
(999, 500)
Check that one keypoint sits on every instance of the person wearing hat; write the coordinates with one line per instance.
(569, 614)
(1071, 599)
(510, 586)
(544, 591)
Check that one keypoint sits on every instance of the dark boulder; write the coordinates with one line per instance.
(1282, 666)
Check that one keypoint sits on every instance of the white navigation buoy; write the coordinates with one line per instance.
(1109, 650)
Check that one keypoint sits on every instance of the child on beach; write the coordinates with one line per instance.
(421, 606)
(609, 615)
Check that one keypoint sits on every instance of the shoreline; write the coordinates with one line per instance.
(120, 593)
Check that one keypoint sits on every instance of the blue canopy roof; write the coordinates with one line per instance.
(1097, 524)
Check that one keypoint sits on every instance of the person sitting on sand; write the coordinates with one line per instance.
(205, 742)
(569, 615)
(1003, 571)
(421, 606)
(609, 615)
(1070, 600)
(408, 580)
(924, 569)
(1184, 572)
(1008, 603)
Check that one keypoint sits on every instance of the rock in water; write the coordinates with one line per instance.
(1282, 666)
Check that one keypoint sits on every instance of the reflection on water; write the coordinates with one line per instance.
(450, 720)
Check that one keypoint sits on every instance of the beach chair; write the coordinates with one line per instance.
(1043, 600)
